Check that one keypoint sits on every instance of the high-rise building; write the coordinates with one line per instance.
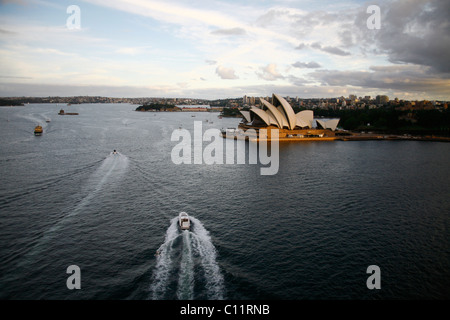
(381, 99)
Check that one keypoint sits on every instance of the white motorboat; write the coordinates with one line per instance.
(184, 221)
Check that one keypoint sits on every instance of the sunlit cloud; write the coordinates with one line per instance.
(226, 73)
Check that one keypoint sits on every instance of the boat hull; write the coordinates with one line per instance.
(38, 131)
(184, 221)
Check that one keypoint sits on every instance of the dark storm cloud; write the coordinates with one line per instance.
(416, 31)
(403, 77)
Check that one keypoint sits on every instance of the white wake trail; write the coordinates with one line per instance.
(164, 263)
(112, 164)
(206, 250)
(196, 245)
(186, 279)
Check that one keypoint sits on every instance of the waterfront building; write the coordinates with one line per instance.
(279, 114)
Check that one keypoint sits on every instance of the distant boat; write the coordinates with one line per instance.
(48, 120)
(184, 221)
(38, 130)
(62, 113)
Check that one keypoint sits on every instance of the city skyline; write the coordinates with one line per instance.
(217, 49)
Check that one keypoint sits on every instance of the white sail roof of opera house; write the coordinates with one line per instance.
(264, 116)
(305, 118)
(280, 114)
(330, 124)
(246, 115)
(285, 107)
(275, 113)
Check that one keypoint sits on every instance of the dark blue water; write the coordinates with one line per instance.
(308, 232)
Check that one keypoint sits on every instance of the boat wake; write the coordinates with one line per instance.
(186, 267)
(109, 171)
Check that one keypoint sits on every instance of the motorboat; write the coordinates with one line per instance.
(47, 120)
(38, 130)
(114, 152)
(184, 221)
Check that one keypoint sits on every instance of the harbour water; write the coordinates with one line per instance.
(308, 232)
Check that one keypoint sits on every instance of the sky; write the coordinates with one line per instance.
(213, 49)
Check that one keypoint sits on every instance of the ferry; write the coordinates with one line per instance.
(184, 221)
(38, 131)
(62, 113)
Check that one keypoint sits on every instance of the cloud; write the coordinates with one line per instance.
(229, 32)
(406, 78)
(170, 12)
(14, 77)
(45, 90)
(132, 50)
(226, 73)
(346, 38)
(309, 65)
(297, 81)
(301, 46)
(7, 32)
(329, 49)
(269, 72)
(409, 52)
(416, 32)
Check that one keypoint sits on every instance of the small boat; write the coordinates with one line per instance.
(38, 131)
(48, 120)
(184, 221)
(62, 113)
(114, 152)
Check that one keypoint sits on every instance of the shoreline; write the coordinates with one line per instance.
(365, 137)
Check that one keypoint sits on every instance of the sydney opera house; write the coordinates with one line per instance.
(280, 115)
